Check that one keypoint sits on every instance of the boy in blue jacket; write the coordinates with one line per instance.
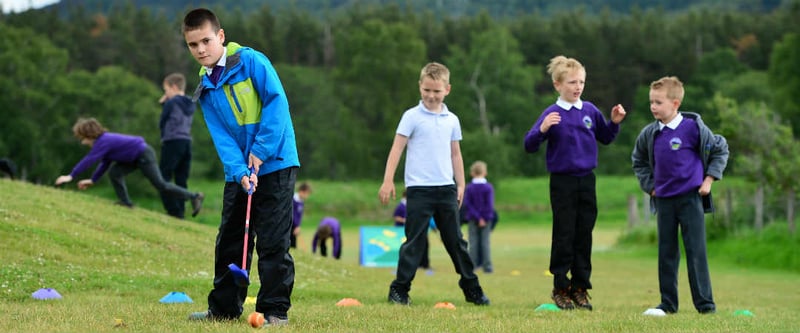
(247, 114)
(676, 159)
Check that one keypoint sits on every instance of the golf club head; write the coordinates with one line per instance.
(240, 276)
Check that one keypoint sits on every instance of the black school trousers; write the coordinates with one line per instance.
(574, 204)
(439, 202)
(270, 227)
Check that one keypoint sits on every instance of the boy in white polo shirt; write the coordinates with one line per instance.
(434, 180)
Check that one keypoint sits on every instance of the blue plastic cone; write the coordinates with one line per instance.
(46, 293)
(176, 297)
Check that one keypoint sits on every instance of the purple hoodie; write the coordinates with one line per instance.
(336, 233)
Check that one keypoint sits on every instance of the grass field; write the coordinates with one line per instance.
(112, 265)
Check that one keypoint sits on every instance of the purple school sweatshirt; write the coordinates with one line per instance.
(572, 144)
(110, 147)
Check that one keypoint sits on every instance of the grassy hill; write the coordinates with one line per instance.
(112, 264)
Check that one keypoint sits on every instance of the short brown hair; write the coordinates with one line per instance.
(304, 187)
(176, 80)
(435, 71)
(671, 84)
(197, 18)
(88, 128)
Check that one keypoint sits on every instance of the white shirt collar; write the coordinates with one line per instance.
(444, 112)
(567, 105)
(479, 180)
(672, 124)
(222, 61)
(297, 197)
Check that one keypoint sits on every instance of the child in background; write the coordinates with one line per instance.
(329, 227)
(479, 212)
(121, 154)
(175, 122)
(572, 128)
(434, 180)
(676, 159)
(298, 206)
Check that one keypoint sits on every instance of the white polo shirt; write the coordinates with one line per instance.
(428, 153)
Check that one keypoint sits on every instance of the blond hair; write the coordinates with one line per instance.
(561, 66)
(435, 71)
(88, 128)
(671, 85)
(478, 168)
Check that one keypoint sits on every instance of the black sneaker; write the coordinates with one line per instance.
(581, 298)
(203, 316)
(562, 299)
(707, 311)
(397, 296)
(124, 204)
(197, 203)
(476, 296)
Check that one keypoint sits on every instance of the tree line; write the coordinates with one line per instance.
(350, 75)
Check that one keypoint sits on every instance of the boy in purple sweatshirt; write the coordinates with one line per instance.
(572, 128)
(329, 227)
(121, 154)
(479, 213)
(676, 159)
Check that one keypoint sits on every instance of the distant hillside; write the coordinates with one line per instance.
(497, 8)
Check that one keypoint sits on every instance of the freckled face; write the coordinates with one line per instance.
(433, 93)
(205, 44)
(571, 87)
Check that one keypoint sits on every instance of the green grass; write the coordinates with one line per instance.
(112, 263)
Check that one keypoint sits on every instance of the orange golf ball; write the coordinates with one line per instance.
(256, 319)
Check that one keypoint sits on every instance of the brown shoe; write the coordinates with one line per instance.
(562, 299)
(581, 298)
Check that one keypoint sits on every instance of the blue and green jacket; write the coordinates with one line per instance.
(247, 112)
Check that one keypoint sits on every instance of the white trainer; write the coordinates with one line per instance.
(655, 312)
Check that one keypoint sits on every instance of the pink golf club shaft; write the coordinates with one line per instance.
(247, 226)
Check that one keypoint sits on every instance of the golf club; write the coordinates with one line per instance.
(240, 275)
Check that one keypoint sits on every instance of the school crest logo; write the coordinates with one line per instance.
(587, 122)
(675, 143)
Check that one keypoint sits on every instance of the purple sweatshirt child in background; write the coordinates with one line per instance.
(298, 206)
(479, 214)
(572, 128)
(121, 154)
(329, 227)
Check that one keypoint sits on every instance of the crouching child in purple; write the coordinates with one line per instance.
(329, 227)
(121, 154)
(676, 159)
(572, 128)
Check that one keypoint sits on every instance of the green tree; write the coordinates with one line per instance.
(378, 67)
(492, 93)
(30, 66)
(765, 151)
(784, 78)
